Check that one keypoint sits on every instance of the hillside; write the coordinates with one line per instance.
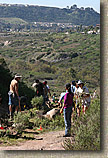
(12, 21)
(56, 57)
(74, 15)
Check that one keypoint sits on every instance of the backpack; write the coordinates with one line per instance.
(45, 91)
(39, 89)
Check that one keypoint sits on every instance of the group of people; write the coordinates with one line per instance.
(75, 97)
(82, 100)
(42, 89)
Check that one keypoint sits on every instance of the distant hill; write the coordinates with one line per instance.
(28, 13)
(12, 20)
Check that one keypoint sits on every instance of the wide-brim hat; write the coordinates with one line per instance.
(18, 76)
(80, 82)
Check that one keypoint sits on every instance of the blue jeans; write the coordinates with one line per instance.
(13, 100)
(67, 119)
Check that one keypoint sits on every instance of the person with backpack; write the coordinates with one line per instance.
(38, 88)
(67, 109)
(46, 90)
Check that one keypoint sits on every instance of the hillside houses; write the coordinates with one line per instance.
(53, 24)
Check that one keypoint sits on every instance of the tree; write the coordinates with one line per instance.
(90, 27)
(91, 9)
(67, 7)
(87, 9)
(82, 8)
(74, 6)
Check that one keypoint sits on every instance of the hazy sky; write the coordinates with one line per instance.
(58, 3)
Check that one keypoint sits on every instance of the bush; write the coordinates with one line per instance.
(47, 124)
(21, 121)
(44, 122)
(86, 130)
(37, 102)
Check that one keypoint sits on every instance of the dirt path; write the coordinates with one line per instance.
(45, 141)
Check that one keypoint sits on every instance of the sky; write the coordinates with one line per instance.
(95, 4)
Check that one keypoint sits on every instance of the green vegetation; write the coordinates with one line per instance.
(86, 130)
(37, 102)
(76, 16)
(59, 59)
(21, 121)
(5, 78)
(31, 120)
(12, 21)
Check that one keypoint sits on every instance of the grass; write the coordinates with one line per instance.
(13, 20)
(6, 141)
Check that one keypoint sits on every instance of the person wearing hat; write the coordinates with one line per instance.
(14, 99)
(83, 90)
(67, 108)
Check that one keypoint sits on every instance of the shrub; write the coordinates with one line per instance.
(44, 122)
(56, 123)
(37, 102)
(86, 130)
(40, 56)
(21, 121)
(8, 132)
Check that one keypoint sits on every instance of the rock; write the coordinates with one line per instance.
(50, 114)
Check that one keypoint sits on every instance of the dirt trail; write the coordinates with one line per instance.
(45, 141)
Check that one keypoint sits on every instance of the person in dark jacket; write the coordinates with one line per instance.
(39, 87)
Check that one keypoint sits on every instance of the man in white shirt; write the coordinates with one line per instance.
(78, 108)
(84, 92)
(73, 86)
